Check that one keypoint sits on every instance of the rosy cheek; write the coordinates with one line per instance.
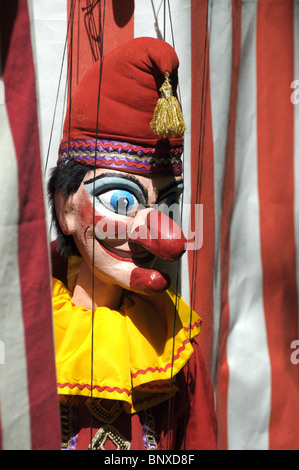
(85, 212)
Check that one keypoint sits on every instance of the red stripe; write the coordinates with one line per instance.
(227, 208)
(201, 262)
(21, 104)
(275, 72)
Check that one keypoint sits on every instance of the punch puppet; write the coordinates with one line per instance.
(130, 374)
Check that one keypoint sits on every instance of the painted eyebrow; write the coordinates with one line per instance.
(125, 177)
(165, 190)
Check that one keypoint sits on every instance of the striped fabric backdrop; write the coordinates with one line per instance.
(29, 416)
(238, 60)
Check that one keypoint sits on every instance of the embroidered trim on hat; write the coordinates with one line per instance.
(122, 156)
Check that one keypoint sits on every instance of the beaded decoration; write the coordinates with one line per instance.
(103, 414)
(148, 432)
(109, 432)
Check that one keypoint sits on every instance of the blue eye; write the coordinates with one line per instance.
(119, 201)
(117, 194)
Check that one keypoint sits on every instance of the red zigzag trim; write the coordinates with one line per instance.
(160, 369)
(136, 149)
(95, 387)
(141, 371)
(118, 163)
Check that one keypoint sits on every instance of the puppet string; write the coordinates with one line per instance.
(179, 262)
(93, 248)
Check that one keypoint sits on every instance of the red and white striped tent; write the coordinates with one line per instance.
(239, 61)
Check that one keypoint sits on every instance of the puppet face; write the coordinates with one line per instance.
(121, 223)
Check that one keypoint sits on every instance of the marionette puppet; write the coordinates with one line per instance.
(130, 373)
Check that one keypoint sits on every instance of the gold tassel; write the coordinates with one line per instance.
(168, 119)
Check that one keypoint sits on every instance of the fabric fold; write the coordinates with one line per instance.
(131, 355)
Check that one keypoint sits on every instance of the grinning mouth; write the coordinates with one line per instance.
(129, 256)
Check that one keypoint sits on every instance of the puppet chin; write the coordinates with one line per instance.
(149, 281)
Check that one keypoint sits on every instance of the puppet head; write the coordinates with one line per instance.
(119, 167)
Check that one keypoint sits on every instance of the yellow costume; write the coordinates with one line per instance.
(127, 355)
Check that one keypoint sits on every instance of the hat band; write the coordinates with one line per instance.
(122, 156)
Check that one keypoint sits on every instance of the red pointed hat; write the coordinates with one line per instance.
(124, 114)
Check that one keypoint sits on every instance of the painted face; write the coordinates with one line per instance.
(121, 223)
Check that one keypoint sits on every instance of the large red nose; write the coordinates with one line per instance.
(159, 234)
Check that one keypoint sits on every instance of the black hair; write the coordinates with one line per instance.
(65, 178)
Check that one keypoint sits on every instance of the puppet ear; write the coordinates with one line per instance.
(64, 209)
